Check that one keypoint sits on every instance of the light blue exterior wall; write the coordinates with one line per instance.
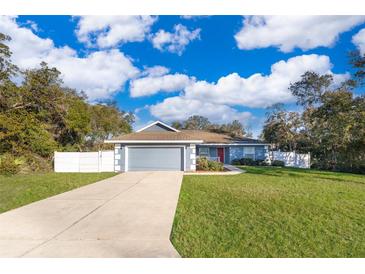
(260, 153)
(236, 152)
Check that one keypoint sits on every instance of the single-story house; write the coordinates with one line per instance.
(161, 147)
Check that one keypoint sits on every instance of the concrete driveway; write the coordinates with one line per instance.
(129, 215)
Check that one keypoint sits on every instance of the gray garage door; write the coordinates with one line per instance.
(155, 158)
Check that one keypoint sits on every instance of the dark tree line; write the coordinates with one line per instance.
(197, 122)
(331, 125)
(41, 115)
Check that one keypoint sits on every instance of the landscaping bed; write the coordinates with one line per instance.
(271, 212)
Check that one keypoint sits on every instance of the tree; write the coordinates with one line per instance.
(22, 133)
(177, 125)
(197, 122)
(283, 129)
(7, 68)
(310, 89)
(9, 93)
(41, 115)
(338, 130)
(108, 120)
(234, 129)
(357, 60)
(332, 123)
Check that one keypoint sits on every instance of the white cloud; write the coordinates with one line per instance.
(155, 71)
(217, 101)
(289, 32)
(359, 40)
(174, 42)
(166, 83)
(109, 31)
(99, 74)
(33, 25)
(187, 17)
(260, 90)
(257, 90)
(180, 108)
(193, 17)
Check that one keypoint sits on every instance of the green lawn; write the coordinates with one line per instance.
(19, 190)
(271, 212)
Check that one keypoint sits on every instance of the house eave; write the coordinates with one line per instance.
(153, 141)
(234, 144)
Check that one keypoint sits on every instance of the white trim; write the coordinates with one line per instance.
(115, 164)
(158, 146)
(184, 164)
(153, 141)
(158, 122)
(233, 144)
(125, 159)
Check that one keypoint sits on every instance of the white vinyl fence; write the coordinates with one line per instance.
(101, 161)
(292, 159)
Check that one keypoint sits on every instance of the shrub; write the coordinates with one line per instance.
(35, 163)
(207, 165)
(263, 163)
(202, 163)
(277, 163)
(8, 165)
(247, 161)
(235, 162)
(215, 166)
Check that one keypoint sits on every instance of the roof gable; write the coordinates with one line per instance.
(157, 126)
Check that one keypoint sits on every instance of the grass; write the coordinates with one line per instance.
(271, 212)
(19, 190)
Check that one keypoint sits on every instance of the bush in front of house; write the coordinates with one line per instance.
(215, 166)
(207, 165)
(249, 162)
(263, 163)
(236, 162)
(277, 163)
(202, 163)
(8, 165)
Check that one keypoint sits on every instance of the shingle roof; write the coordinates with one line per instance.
(205, 136)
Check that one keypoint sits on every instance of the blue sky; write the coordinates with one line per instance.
(171, 67)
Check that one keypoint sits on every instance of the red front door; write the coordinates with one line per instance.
(221, 154)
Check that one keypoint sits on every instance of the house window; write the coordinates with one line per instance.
(249, 152)
(204, 151)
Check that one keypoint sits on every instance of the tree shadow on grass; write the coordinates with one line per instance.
(341, 180)
(302, 173)
(263, 171)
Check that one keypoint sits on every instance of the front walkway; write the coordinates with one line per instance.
(128, 215)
